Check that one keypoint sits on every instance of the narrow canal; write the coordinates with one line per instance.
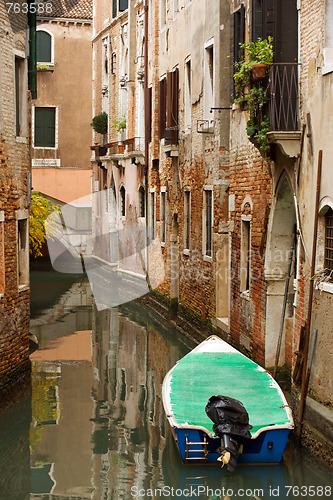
(93, 426)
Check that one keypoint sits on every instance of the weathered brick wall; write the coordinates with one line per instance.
(249, 176)
(14, 162)
(202, 161)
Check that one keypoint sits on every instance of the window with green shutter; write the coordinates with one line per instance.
(44, 46)
(123, 5)
(44, 127)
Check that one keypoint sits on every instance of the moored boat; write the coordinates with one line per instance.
(216, 368)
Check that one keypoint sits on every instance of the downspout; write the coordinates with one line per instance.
(146, 141)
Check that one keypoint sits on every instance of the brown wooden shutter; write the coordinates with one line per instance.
(148, 116)
(162, 108)
(169, 81)
(175, 105)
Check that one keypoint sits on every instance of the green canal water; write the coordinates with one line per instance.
(93, 425)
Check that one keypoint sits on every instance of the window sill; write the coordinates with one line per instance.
(325, 70)
(186, 251)
(325, 287)
(53, 148)
(245, 294)
(22, 140)
(162, 244)
(208, 258)
(23, 288)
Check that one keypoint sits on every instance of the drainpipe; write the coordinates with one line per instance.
(145, 93)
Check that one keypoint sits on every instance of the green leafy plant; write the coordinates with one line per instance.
(42, 67)
(254, 93)
(40, 209)
(120, 123)
(100, 123)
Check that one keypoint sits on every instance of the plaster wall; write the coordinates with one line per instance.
(65, 185)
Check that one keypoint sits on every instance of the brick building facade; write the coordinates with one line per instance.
(61, 114)
(14, 215)
(188, 74)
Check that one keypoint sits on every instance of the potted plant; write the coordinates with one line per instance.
(100, 123)
(252, 90)
(120, 125)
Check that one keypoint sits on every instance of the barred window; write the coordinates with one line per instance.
(329, 240)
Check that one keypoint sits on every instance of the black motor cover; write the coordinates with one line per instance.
(229, 416)
(231, 424)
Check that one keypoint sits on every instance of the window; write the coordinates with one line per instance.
(263, 18)
(163, 215)
(142, 202)
(163, 13)
(187, 218)
(45, 127)
(208, 222)
(187, 97)
(238, 33)
(245, 253)
(20, 97)
(152, 214)
(329, 240)
(162, 107)
(172, 85)
(2, 253)
(122, 200)
(23, 252)
(175, 8)
(209, 81)
(114, 8)
(328, 50)
(44, 47)
(123, 5)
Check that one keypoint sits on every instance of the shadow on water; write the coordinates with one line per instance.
(98, 428)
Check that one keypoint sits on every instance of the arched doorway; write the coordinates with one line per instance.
(278, 256)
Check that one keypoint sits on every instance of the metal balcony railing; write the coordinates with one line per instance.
(283, 95)
(133, 145)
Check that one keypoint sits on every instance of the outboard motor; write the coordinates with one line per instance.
(231, 424)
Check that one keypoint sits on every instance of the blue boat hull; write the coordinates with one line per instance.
(267, 448)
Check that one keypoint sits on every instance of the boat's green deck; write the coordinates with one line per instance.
(201, 375)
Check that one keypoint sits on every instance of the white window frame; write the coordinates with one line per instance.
(51, 63)
(163, 215)
(209, 80)
(23, 257)
(328, 38)
(187, 220)
(23, 88)
(245, 254)
(188, 94)
(152, 211)
(206, 257)
(33, 127)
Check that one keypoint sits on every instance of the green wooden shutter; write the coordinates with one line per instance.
(123, 5)
(44, 127)
(114, 8)
(43, 46)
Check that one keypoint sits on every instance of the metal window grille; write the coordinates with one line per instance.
(163, 216)
(187, 219)
(329, 240)
(141, 201)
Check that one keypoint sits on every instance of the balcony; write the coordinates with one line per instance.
(130, 148)
(283, 108)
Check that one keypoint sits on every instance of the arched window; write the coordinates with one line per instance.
(122, 201)
(142, 201)
(44, 47)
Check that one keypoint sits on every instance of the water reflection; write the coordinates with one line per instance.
(98, 429)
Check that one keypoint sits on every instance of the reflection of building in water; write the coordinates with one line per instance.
(130, 362)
